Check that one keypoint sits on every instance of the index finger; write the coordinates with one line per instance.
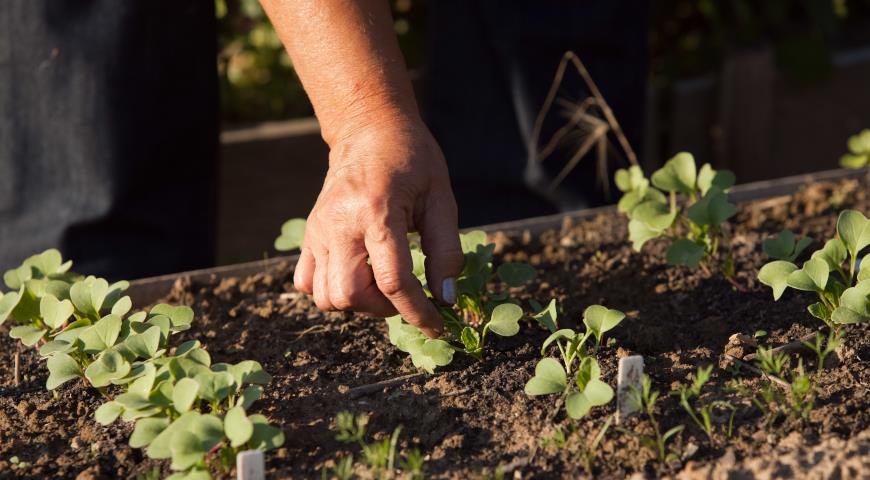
(392, 267)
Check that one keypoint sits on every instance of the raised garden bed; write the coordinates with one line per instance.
(472, 418)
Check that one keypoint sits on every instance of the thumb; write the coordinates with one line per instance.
(439, 237)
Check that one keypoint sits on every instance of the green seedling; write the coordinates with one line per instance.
(833, 273)
(292, 234)
(644, 400)
(859, 151)
(551, 375)
(588, 450)
(785, 246)
(414, 464)
(586, 391)
(479, 310)
(379, 456)
(702, 411)
(802, 394)
(343, 470)
(792, 400)
(823, 347)
(695, 228)
(483, 301)
(557, 440)
(770, 362)
(184, 407)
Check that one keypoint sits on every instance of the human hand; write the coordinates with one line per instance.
(384, 180)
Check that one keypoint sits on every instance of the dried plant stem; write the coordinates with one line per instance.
(791, 347)
(599, 101)
(752, 368)
(377, 386)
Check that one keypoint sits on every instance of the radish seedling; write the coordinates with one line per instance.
(859, 151)
(479, 310)
(654, 211)
(551, 375)
(184, 407)
(833, 273)
(292, 233)
(785, 246)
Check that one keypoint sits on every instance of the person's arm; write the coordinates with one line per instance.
(387, 175)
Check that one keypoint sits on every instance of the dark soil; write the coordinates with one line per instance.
(472, 418)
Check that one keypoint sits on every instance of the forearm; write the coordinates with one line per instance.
(346, 54)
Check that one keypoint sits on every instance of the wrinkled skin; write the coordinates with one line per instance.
(382, 183)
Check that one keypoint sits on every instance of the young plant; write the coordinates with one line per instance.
(824, 347)
(551, 375)
(832, 273)
(184, 408)
(792, 400)
(588, 450)
(644, 400)
(292, 233)
(380, 457)
(859, 151)
(484, 305)
(694, 228)
(702, 411)
(785, 246)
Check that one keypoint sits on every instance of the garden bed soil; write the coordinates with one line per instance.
(472, 418)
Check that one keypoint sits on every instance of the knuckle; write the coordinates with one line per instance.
(342, 302)
(302, 286)
(345, 299)
(391, 283)
(322, 303)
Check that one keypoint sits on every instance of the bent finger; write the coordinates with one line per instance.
(352, 283)
(391, 264)
(303, 275)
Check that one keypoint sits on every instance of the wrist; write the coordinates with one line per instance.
(382, 113)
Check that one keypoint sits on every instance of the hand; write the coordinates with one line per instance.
(384, 180)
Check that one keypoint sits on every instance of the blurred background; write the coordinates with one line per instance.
(764, 88)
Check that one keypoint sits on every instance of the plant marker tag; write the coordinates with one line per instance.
(628, 375)
(250, 465)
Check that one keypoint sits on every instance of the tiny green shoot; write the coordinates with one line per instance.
(644, 400)
(700, 410)
(824, 346)
(380, 457)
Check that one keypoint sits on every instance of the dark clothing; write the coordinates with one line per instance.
(490, 67)
(108, 134)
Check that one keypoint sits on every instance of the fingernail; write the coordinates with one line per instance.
(448, 290)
